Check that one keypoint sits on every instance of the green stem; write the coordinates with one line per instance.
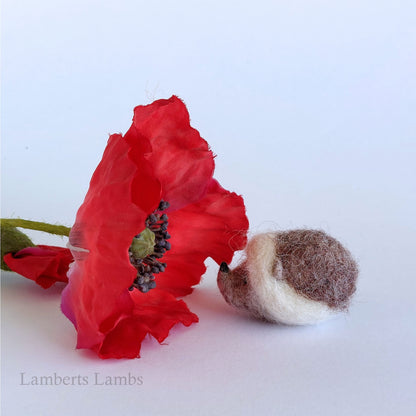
(36, 225)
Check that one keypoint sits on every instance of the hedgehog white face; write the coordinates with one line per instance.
(293, 277)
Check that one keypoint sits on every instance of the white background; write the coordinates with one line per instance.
(310, 106)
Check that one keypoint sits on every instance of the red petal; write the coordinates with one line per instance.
(105, 225)
(155, 313)
(216, 226)
(160, 311)
(124, 341)
(161, 157)
(181, 159)
(45, 265)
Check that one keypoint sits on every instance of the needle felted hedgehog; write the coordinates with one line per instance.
(292, 277)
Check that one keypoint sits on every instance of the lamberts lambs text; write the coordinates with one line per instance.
(95, 379)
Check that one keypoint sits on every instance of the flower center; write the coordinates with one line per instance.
(148, 247)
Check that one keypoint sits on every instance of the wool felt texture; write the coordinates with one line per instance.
(293, 277)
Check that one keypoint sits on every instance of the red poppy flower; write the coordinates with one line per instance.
(45, 265)
(152, 215)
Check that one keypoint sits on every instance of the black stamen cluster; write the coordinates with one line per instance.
(150, 265)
